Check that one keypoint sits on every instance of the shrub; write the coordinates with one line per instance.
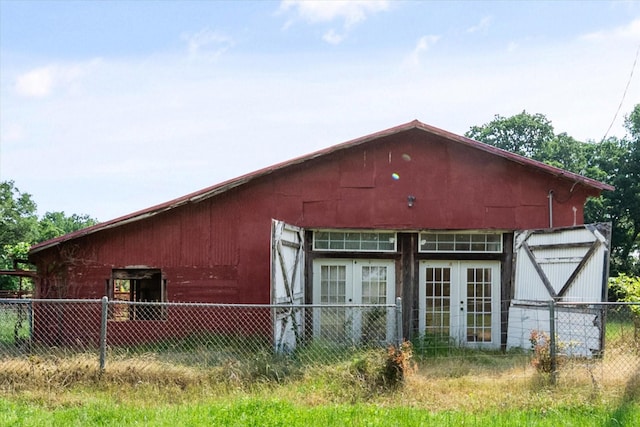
(397, 364)
(541, 346)
(380, 370)
(628, 290)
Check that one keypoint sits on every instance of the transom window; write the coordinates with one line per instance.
(354, 241)
(460, 242)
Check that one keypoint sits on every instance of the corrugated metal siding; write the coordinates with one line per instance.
(217, 248)
(558, 264)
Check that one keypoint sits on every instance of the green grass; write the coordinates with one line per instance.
(258, 389)
(251, 411)
(13, 324)
(483, 390)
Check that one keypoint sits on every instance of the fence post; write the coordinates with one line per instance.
(30, 321)
(103, 332)
(399, 336)
(552, 340)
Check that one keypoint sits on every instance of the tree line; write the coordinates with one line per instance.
(20, 227)
(614, 160)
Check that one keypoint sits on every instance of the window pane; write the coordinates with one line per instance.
(460, 242)
(355, 241)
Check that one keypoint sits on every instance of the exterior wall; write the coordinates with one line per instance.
(218, 250)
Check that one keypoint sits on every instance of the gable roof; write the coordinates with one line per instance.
(222, 187)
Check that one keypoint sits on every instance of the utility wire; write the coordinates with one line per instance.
(633, 67)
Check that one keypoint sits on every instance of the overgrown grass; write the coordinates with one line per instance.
(477, 389)
(13, 324)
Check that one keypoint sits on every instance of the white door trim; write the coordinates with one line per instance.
(459, 302)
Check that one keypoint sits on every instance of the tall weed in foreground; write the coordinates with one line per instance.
(542, 358)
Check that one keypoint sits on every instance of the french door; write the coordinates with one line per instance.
(460, 301)
(352, 282)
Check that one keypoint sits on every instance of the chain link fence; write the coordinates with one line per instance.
(595, 342)
(192, 334)
(599, 341)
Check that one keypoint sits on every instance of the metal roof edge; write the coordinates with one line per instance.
(225, 186)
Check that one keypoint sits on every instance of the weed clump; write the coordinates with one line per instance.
(542, 359)
(381, 370)
(397, 364)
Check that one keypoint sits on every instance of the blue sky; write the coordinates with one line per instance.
(108, 107)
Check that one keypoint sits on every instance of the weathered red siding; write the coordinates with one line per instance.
(218, 249)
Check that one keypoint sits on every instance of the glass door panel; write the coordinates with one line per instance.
(353, 282)
(479, 305)
(459, 300)
(437, 301)
(333, 290)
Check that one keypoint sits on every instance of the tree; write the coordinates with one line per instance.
(18, 218)
(617, 162)
(627, 289)
(614, 161)
(565, 152)
(524, 134)
(54, 224)
(18, 228)
(623, 205)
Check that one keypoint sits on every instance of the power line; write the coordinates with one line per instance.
(633, 67)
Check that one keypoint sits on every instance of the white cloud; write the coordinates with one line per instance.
(350, 12)
(42, 82)
(482, 26)
(12, 132)
(207, 44)
(332, 37)
(36, 83)
(626, 32)
(422, 46)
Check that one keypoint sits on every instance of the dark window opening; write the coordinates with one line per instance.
(136, 286)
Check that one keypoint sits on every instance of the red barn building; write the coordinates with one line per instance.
(413, 212)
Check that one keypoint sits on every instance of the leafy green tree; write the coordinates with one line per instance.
(614, 161)
(565, 152)
(18, 218)
(627, 289)
(624, 203)
(524, 134)
(54, 224)
(617, 162)
(20, 228)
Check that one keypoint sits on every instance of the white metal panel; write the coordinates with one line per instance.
(523, 319)
(555, 256)
(578, 333)
(287, 284)
(564, 265)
